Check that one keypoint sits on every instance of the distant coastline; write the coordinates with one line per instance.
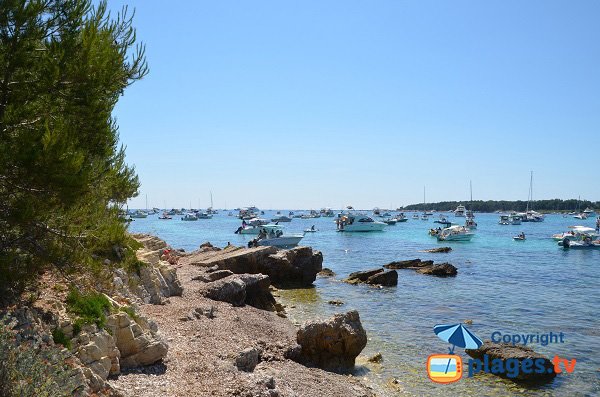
(553, 205)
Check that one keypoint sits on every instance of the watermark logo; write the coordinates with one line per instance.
(448, 368)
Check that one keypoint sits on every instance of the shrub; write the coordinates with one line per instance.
(90, 308)
(59, 337)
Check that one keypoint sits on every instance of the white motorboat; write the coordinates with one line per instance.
(515, 219)
(256, 222)
(189, 217)
(165, 216)
(255, 229)
(283, 241)
(504, 220)
(400, 218)
(455, 233)
(415, 216)
(460, 211)
(351, 222)
(327, 212)
(583, 216)
(443, 221)
(312, 229)
(281, 218)
(576, 233)
(586, 242)
(589, 212)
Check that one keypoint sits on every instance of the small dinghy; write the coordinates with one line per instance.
(520, 237)
(311, 230)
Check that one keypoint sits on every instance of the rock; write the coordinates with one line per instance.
(241, 289)
(388, 278)
(377, 358)
(468, 322)
(408, 264)
(299, 265)
(332, 344)
(213, 276)
(438, 250)
(248, 359)
(504, 351)
(137, 344)
(336, 302)
(363, 275)
(441, 270)
(326, 273)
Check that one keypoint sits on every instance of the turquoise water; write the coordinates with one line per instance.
(502, 285)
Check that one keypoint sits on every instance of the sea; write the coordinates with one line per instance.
(512, 287)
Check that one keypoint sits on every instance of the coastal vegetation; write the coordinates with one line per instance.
(63, 175)
(554, 205)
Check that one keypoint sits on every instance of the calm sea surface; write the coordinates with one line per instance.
(502, 285)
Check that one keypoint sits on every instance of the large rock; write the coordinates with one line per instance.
(333, 344)
(241, 289)
(375, 276)
(438, 250)
(440, 270)
(504, 351)
(388, 278)
(299, 265)
(136, 339)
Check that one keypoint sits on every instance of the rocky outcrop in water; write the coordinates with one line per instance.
(376, 276)
(438, 250)
(333, 344)
(299, 265)
(504, 351)
(425, 267)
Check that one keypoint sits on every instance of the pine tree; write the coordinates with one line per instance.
(63, 66)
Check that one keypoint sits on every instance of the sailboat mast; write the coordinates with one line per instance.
(146, 202)
(211, 201)
(424, 198)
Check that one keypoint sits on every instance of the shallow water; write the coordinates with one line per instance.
(502, 285)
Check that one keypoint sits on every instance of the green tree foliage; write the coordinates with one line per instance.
(63, 176)
(503, 205)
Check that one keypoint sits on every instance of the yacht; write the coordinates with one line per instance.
(589, 212)
(515, 219)
(139, 214)
(165, 216)
(255, 229)
(351, 222)
(504, 220)
(460, 211)
(204, 215)
(327, 212)
(576, 233)
(582, 216)
(455, 233)
(401, 218)
(282, 241)
(470, 223)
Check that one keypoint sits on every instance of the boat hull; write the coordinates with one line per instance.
(367, 227)
(283, 241)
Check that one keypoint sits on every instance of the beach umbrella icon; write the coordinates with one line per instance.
(457, 335)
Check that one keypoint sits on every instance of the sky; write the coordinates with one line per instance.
(310, 104)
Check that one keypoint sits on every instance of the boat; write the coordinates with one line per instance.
(139, 214)
(586, 242)
(255, 229)
(460, 211)
(520, 237)
(165, 215)
(351, 222)
(311, 229)
(415, 216)
(504, 220)
(190, 216)
(576, 233)
(425, 217)
(589, 212)
(283, 241)
(530, 215)
(400, 217)
(327, 212)
(582, 216)
(204, 215)
(390, 221)
(470, 223)
(515, 219)
(443, 221)
(281, 218)
(455, 233)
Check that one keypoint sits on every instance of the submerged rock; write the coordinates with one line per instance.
(505, 351)
(408, 264)
(363, 275)
(438, 250)
(376, 358)
(326, 272)
(441, 270)
(332, 344)
(336, 302)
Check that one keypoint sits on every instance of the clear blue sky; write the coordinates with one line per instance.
(307, 104)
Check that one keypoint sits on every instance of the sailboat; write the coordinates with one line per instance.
(530, 215)
(210, 209)
(470, 221)
(426, 213)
